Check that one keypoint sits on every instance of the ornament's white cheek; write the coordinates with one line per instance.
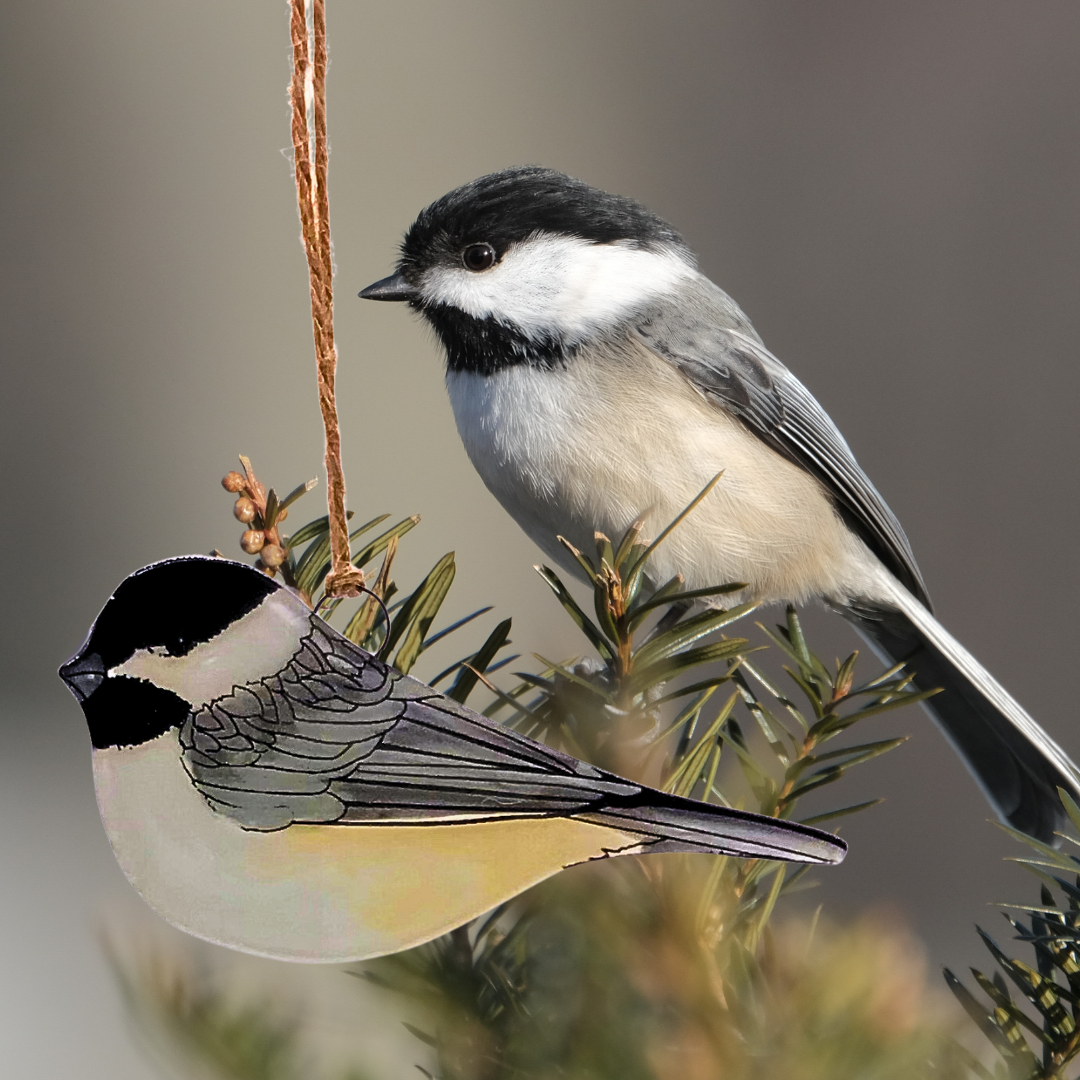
(316, 893)
(256, 645)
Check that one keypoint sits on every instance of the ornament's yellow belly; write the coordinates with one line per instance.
(318, 893)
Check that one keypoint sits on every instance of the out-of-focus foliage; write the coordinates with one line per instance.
(1043, 1045)
(198, 1028)
(611, 994)
(603, 974)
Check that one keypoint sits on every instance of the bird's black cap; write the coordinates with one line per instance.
(173, 605)
(509, 206)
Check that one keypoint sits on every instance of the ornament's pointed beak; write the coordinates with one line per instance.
(394, 287)
(83, 675)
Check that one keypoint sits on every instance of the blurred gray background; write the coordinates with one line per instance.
(889, 190)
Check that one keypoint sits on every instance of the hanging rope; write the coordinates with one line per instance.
(307, 94)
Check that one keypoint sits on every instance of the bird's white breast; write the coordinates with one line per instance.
(620, 435)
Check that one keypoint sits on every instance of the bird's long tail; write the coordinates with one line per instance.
(1017, 765)
(671, 823)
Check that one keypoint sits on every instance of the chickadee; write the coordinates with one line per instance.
(598, 378)
(270, 786)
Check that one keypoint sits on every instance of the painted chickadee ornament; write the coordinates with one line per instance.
(269, 786)
(597, 378)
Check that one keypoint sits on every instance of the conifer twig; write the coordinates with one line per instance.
(308, 88)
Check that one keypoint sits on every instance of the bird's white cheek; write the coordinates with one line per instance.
(559, 286)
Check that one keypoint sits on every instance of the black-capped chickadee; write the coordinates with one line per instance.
(270, 786)
(597, 378)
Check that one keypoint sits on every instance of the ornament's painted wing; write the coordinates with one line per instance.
(736, 371)
(338, 737)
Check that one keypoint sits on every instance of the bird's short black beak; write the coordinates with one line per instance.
(83, 675)
(394, 287)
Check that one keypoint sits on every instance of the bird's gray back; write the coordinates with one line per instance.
(706, 336)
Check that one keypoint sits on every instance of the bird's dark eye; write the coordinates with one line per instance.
(477, 257)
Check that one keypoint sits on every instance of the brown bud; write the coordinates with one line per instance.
(234, 482)
(282, 514)
(267, 570)
(252, 541)
(244, 510)
(273, 555)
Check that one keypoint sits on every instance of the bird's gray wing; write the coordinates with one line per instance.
(732, 368)
(337, 735)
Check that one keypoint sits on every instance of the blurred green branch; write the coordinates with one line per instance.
(191, 1023)
(1039, 1048)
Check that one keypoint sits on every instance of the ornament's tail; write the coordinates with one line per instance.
(670, 823)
